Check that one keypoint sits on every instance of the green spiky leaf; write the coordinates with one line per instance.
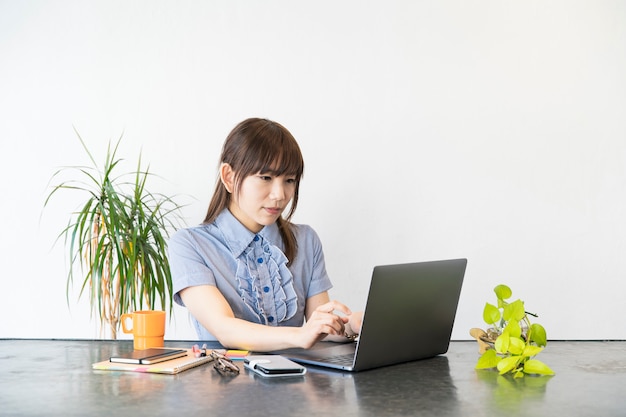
(117, 239)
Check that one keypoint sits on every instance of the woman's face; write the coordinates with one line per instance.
(261, 199)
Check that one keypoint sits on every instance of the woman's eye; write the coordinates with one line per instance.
(265, 177)
(291, 180)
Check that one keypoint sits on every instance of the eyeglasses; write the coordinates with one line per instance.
(223, 365)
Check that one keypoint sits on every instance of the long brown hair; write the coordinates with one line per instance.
(260, 146)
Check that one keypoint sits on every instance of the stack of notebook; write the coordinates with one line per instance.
(171, 366)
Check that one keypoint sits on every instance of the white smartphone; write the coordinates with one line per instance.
(271, 366)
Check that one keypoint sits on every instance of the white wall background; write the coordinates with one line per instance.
(492, 130)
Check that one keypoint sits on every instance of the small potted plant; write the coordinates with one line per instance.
(512, 341)
(118, 237)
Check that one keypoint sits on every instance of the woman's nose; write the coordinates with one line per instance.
(278, 190)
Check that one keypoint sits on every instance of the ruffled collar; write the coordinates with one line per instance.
(264, 282)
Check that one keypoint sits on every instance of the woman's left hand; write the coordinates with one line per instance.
(355, 320)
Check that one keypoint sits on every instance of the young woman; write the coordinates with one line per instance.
(250, 278)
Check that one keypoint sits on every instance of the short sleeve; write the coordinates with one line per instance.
(310, 261)
(188, 267)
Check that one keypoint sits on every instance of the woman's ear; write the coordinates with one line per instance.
(227, 176)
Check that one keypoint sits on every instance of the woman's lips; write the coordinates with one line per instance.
(273, 210)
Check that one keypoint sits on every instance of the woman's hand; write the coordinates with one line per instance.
(324, 321)
(354, 323)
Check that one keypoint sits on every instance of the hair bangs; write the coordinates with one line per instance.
(283, 161)
(272, 150)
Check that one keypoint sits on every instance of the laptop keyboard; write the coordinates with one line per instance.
(345, 360)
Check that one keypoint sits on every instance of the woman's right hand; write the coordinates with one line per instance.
(324, 321)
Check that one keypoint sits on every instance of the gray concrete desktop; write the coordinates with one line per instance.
(54, 378)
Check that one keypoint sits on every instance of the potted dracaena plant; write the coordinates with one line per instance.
(118, 238)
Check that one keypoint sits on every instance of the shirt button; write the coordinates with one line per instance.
(260, 260)
(270, 319)
(256, 238)
(266, 289)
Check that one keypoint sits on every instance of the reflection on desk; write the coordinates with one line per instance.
(54, 377)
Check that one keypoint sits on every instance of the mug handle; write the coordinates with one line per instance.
(123, 319)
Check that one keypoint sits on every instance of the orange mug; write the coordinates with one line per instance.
(148, 328)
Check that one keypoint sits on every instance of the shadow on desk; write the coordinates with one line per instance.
(420, 386)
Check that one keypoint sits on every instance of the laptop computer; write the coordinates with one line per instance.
(409, 315)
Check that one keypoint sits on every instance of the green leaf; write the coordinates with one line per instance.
(538, 334)
(508, 364)
(530, 351)
(513, 329)
(514, 311)
(503, 292)
(488, 360)
(534, 366)
(502, 343)
(491, 314)
(516, 345)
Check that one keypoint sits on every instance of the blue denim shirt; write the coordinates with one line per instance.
(249, 269)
